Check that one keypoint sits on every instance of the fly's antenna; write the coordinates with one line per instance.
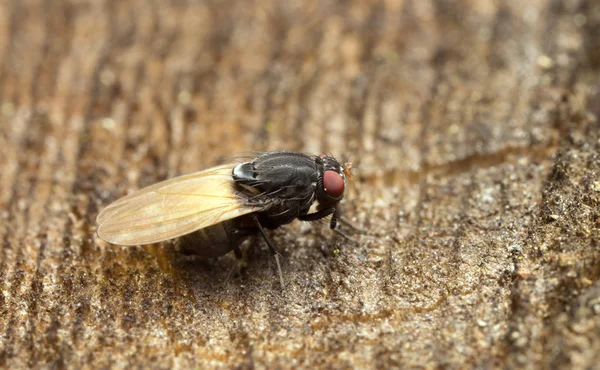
(347, 169)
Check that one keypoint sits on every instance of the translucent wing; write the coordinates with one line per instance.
(173, 208)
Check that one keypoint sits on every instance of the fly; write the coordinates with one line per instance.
(215, 210)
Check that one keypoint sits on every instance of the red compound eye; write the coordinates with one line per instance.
(333, 184)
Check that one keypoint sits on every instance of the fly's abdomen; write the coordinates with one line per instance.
(213, 241)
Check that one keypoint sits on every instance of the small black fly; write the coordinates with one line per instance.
(215, 210)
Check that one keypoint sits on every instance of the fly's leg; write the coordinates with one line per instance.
(238, 257)
(321, 214)
(240, 234)
(272, 248)
(332, 224)
(232, 270)
(348, 223)
(238, 252)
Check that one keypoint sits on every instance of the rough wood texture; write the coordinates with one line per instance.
(473, 124)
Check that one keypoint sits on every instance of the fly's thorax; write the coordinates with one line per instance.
(277, 176)
(284, 181)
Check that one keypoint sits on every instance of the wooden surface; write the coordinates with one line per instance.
(473, 126)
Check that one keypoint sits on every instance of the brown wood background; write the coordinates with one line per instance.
(474, 126)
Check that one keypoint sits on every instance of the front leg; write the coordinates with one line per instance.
(322, 214)
(332, 224)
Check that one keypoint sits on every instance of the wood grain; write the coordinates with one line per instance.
(474, 130)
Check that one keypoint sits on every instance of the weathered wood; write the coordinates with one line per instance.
(473, 124)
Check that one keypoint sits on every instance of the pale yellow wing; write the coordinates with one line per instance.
(173, 208)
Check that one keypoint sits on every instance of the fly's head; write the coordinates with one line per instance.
(331, 182)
